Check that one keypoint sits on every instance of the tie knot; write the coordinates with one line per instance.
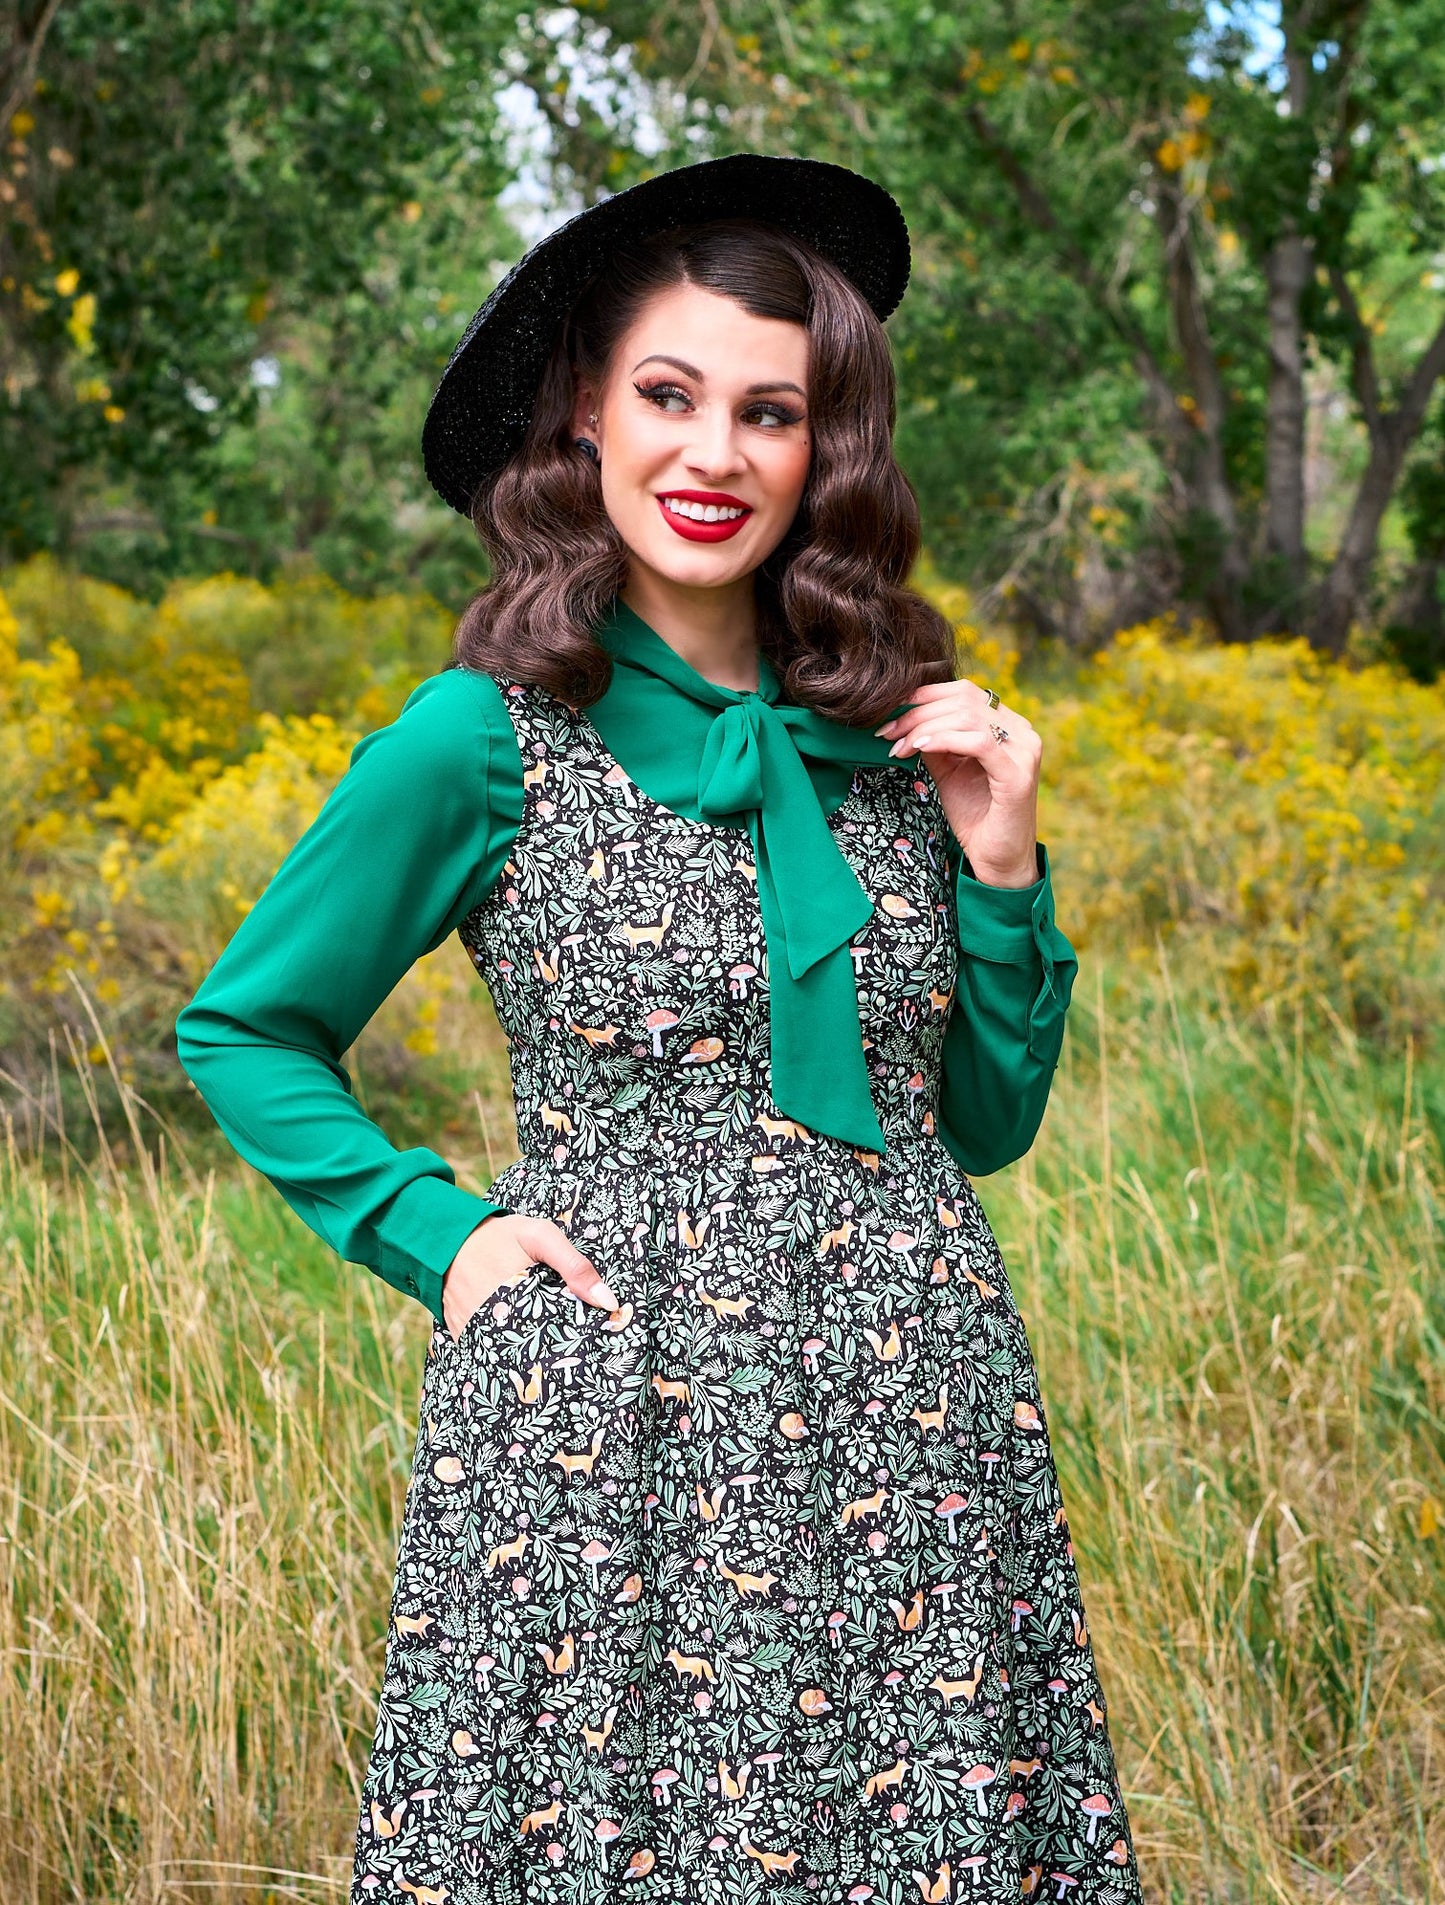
(730, 776)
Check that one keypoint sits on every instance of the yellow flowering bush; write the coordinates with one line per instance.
(47, 755)
(1277, 812)
(1279, 805)
(216, 855)
(157, 760)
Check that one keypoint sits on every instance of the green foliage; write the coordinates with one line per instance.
(1151, 239)
(188, 190)
(1102, 199)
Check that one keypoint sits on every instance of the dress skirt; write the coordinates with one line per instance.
(759, 1587)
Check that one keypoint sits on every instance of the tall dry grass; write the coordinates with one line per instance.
(1228, 1251)
(1227, 1248)
(201, 1472)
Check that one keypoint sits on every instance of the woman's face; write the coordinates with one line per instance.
(702, 426)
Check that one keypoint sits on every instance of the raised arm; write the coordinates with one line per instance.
(412, 837)
(1006, 1025)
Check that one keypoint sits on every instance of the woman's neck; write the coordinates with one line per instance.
(714, 630)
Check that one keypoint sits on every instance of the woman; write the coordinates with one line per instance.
(733, 1565)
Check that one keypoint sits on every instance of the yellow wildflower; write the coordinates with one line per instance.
(81, 323)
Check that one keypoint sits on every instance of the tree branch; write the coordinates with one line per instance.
(1409, 414)
(24, 80)
(1189, 315)
(711, 26)
(1390, 439)
(1342, 147)
(1040, 214)
(1364, 373)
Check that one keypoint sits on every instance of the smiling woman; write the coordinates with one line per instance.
(734, 1567)
(672, 431)
(728, 365)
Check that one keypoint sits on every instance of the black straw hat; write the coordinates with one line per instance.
(483, 403)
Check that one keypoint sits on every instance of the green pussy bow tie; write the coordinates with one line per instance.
(752, 773)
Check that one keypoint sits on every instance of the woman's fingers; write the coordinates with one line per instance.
(1015, 760)
(912, 731)
(551, 1245)
(940, 690)
(967, 697)
(499, 1253)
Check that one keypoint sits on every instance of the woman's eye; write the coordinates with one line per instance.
(672, 400)
(774, 416)
(666, 397)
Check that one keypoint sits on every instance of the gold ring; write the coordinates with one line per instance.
(992, 697)
(999, 734)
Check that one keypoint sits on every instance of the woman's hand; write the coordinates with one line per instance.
(500, 1251)
(989, 788)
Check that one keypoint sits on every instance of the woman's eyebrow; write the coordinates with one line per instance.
(691, 370)
(688, 370)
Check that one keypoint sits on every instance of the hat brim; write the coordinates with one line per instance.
(483, 402)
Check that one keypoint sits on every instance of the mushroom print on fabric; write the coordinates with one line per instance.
(758, 1588)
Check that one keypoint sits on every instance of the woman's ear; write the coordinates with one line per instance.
(584, 410)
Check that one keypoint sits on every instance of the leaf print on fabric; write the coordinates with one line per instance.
(760, 1587)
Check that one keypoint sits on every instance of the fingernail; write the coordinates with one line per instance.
(922, 740)
(899, 747)
(605, 1297)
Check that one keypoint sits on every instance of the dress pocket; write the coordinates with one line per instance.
(495, 1310)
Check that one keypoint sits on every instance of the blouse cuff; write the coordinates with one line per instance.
(1014, 926)
(1007, 924)
(424, 1227)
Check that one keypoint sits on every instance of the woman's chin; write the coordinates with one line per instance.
(694, 565)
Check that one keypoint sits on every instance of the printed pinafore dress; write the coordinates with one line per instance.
(758, 1588)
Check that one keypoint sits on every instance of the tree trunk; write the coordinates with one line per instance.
(1208, 478)
(1416, 625)
(1391, 435)
(1287, 269)
(1349, 574)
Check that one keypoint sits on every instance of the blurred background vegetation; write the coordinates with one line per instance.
(1171, 392)
(1175, 335)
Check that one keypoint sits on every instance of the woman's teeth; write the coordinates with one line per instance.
(701, 512)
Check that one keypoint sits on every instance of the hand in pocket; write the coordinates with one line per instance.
(500, 1251)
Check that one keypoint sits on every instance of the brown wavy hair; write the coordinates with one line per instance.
(835, 617)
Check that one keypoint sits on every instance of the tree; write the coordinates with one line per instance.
(1416, 629)
(188, 190)
(1184, 201)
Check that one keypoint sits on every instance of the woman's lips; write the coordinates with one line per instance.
(694, 531)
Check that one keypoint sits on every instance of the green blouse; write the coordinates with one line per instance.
(415, 835)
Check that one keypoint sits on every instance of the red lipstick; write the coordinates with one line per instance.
(695, 531)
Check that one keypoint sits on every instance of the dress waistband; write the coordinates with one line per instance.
(669, 1170)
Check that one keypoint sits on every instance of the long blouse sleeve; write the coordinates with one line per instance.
(1006, 1025)
(411, 838)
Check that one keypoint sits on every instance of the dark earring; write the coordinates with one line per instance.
(588, 448)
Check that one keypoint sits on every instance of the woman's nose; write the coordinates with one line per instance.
(714, 451)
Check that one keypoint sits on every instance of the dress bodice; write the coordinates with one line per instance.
(624, 949)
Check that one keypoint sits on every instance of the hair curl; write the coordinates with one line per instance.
(835, 617)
